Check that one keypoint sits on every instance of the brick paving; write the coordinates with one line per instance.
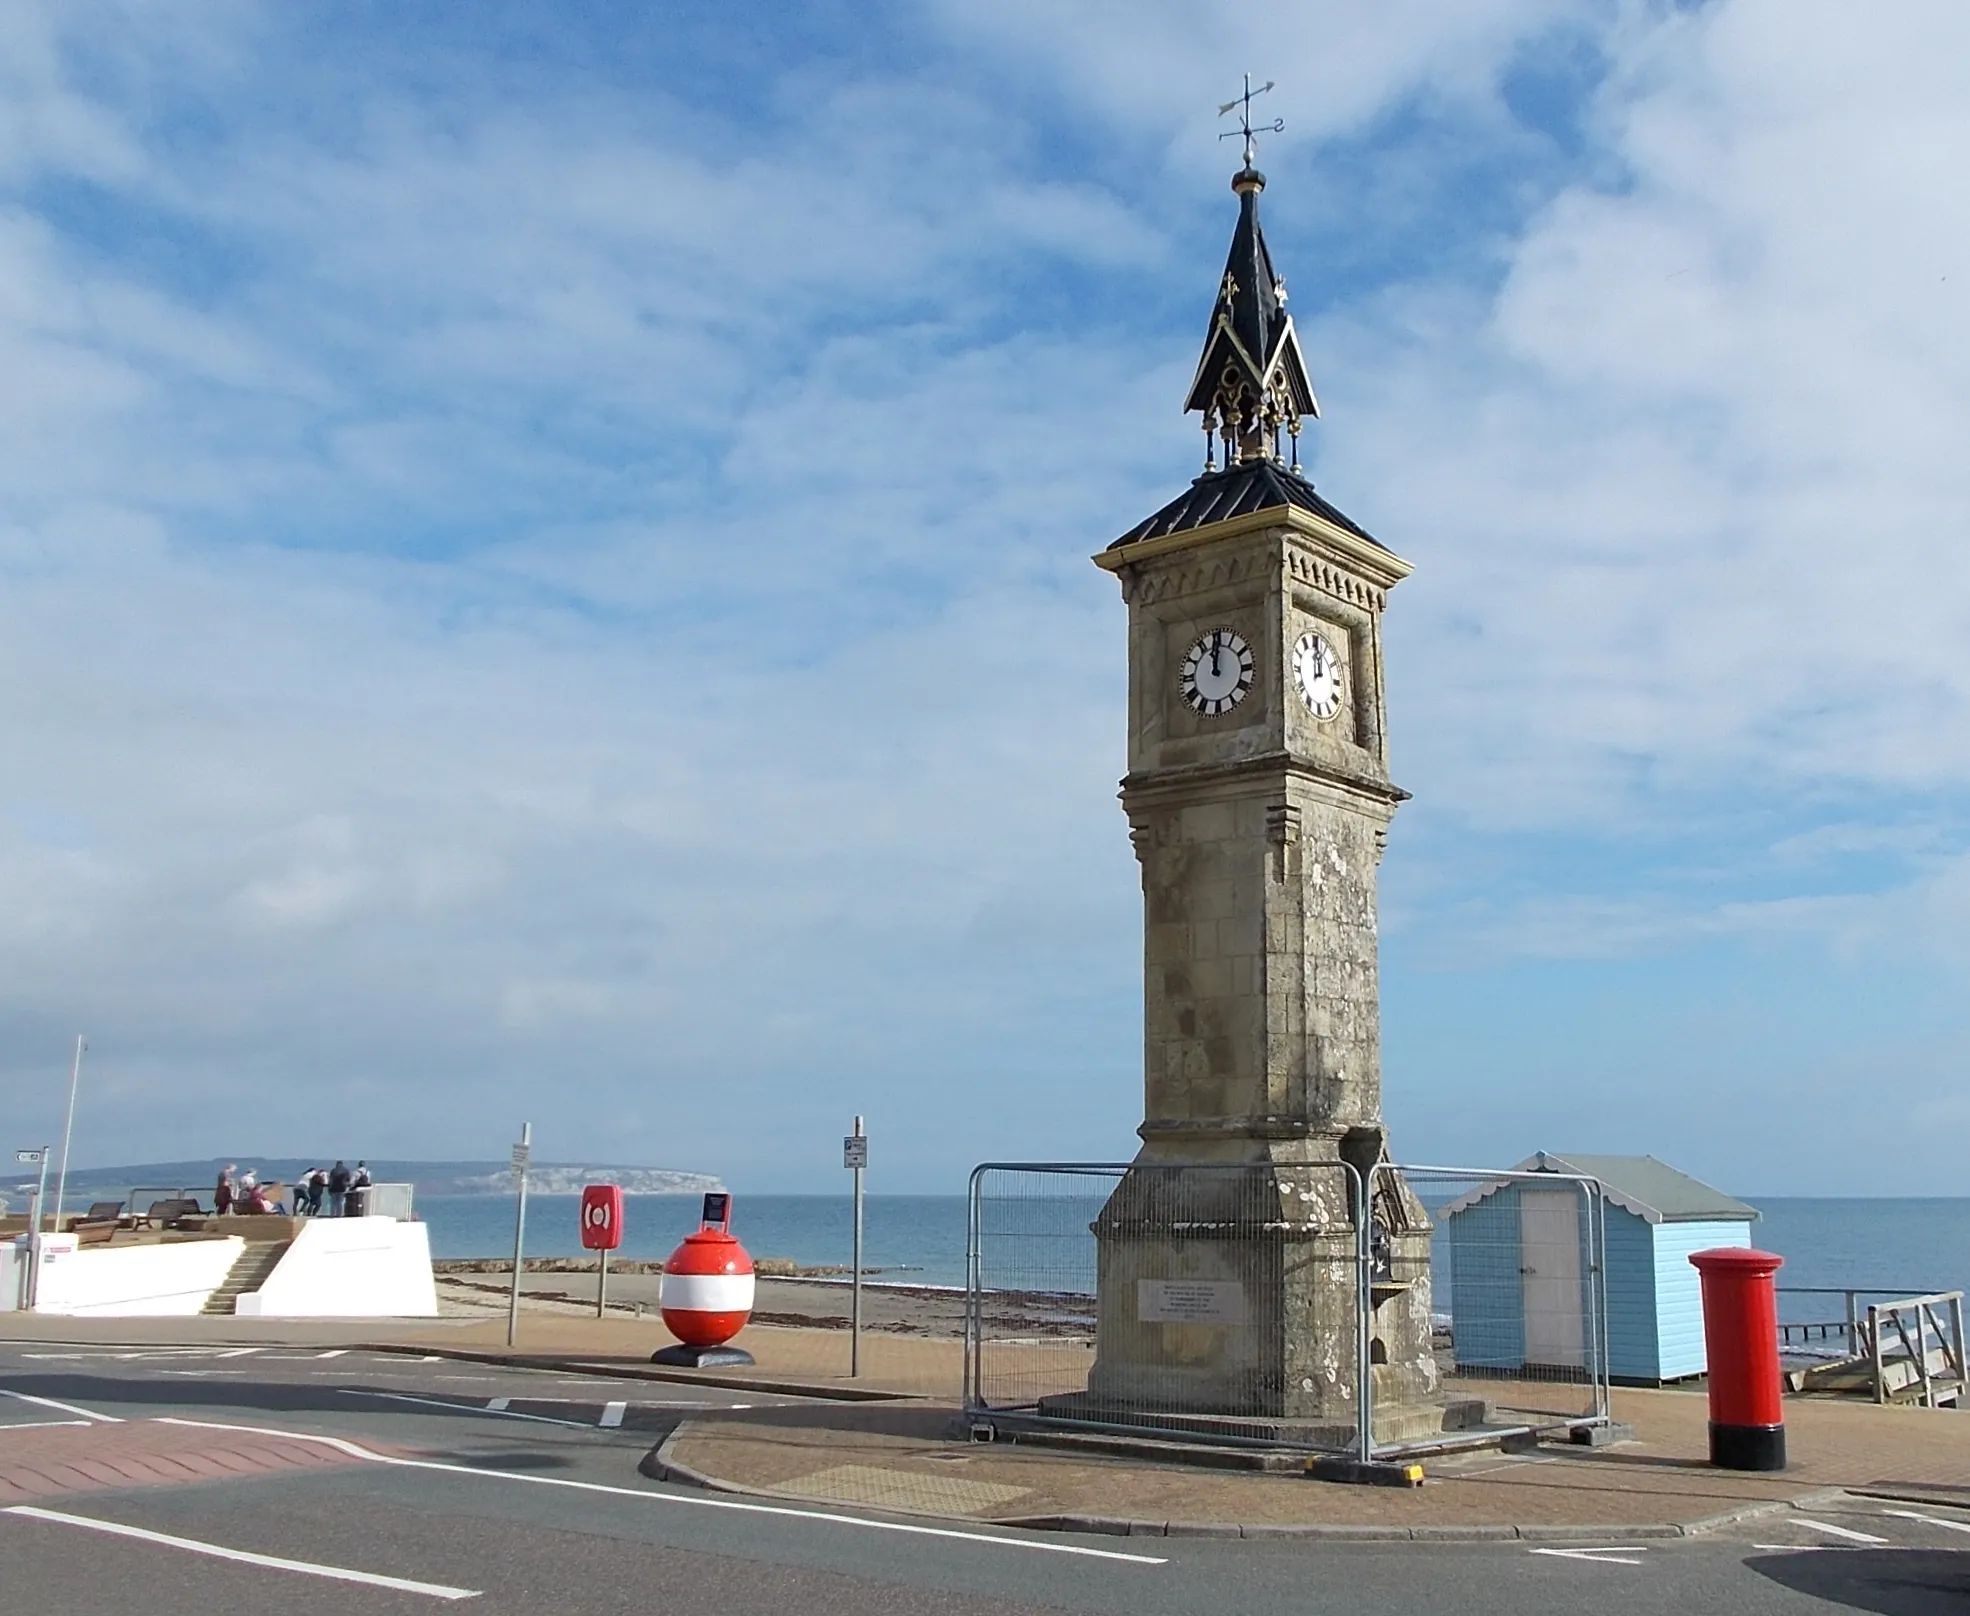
(1662, 1480)
(1659, 1481)
(43, 1461)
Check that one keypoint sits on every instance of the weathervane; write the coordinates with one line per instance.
(1245, 126)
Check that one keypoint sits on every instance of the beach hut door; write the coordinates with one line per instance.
(1549, 1265)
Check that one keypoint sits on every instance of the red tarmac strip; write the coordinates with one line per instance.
(45, 1462)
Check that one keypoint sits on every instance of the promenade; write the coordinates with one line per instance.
(889, 1440)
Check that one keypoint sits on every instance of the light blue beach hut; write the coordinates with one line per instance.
(1503, 1317)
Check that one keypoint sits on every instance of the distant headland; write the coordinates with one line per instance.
(430, 1177)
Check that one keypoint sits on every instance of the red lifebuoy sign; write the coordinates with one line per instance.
(601, 1217)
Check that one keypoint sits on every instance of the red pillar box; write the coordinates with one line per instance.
(1740, 1339)
(706, 1293)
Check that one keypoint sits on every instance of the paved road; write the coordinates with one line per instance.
(215, 1478)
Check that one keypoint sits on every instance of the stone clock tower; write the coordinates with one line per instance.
(1258, 798)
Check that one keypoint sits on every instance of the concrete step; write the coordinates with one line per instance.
(248, 1273)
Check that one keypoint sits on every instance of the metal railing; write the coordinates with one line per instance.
(1285, 1304)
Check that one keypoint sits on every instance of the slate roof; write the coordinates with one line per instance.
(1652, 1190)
(1238, 490)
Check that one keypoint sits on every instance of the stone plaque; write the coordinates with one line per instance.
(1189, 1301)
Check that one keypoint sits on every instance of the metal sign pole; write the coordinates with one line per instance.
(40, 1189)
(34, 1221)
(857, 1150)
(68, 1128)
(522, 1154)
(602, 1282)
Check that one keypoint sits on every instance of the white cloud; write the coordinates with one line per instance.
(1688, 505)
(561, 592)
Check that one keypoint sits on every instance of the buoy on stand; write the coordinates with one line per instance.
(706, 1293)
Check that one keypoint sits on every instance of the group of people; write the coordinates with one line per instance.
(244, 1193)
(321, 1191)
(341, 1186)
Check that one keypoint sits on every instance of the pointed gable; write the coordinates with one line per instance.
(1251, 379)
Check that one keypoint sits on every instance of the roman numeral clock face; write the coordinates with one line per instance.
(1216, 673)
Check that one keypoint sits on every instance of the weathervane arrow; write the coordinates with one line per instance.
(1246, 127)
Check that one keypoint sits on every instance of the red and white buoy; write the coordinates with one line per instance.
(706, 1292)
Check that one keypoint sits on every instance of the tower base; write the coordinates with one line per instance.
(1227, 1302)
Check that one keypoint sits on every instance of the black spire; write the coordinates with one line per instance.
(1252, 382)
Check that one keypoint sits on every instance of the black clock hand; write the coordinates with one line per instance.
(1214, 652)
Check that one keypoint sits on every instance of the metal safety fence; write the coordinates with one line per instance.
(1285, 1304)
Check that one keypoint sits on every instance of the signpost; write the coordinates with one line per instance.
(855, 1157)
(38, 1159)
(601, 1233)
(523, 1153)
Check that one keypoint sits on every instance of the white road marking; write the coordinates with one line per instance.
(40, 1425)
(65, 1408)
(463, 1408)
(1607, 1554)
(333, 1352)
(1929, 1520)
(498, 1404)
(682, 1500)
(237, 1352)
(1800, 1548)
(612, 1414)
(1846, 1532)
(436, 1590)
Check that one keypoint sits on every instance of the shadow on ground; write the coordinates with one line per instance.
(1893, 1582)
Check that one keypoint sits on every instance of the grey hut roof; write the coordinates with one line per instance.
(1652, 1190)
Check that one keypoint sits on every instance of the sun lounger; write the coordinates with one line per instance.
(167, 1214)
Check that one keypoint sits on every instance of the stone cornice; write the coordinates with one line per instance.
(1381, 567)
(1258, 769)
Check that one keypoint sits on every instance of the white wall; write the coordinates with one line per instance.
(349, 1268)
(132, 1281)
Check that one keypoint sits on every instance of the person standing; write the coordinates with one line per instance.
(222, 1192)
(338, 1188)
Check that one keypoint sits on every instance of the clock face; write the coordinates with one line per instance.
(1216, 673)
(1319, 676)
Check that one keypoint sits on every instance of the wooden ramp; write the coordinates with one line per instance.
(1912, 1352)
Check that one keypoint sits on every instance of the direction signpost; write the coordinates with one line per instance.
(523, 1154)
(38, 1159)
(855, 1157)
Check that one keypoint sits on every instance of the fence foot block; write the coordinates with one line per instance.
(1367, 1472)
(1601, 1436)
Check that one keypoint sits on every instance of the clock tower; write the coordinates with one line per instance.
(1258, 798)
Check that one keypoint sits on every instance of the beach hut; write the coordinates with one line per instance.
(1503, 1312)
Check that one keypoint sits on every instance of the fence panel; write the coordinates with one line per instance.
(1207, 1300)
(1517, 1293)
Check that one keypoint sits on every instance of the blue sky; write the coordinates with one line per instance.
(543, 567)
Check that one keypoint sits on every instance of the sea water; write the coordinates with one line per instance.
(1903, 1247)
